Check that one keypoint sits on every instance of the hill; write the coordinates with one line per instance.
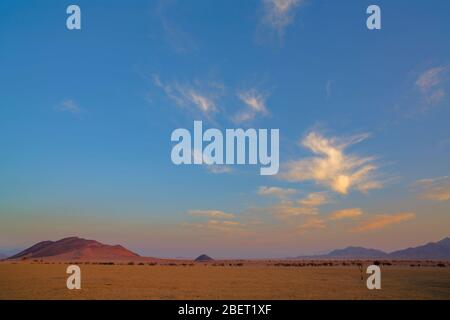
(74, 248)
(204, 258)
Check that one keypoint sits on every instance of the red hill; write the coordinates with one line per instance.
(75, 248)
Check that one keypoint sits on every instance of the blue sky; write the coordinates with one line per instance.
(86, 117)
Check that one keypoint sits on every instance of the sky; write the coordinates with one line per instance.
(86, 118)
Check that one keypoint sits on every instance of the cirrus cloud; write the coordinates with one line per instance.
(281, 193)
(332, 167)
(351, 213)
(226, 226)
(312, 224)
(279, 14)
(255, 103)
(202, 100)
(437, 189)
(69, 106)
(430, 84)
(381, 221)
(218, 214)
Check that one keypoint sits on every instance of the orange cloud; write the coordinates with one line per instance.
(217, 225)
(288, 209)
(277, 192)
(346, 214)
(312, 224)
(437, 189)
(382, 221)
(217, 214)
(314, 199)
(332, 167)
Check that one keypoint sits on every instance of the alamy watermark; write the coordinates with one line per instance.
(236, 146)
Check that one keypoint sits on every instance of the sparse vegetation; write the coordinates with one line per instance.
(259, 280)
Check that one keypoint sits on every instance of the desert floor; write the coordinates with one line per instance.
(206, 281)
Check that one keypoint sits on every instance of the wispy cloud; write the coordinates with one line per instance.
(430, 78)
(329, 87)
(218, 225)
(437, 189)
(314, 199)
(177, 37)
(333, 167)
(69, 106)
(381, 221)
(212, 168)
(312, 224)
(351, 213)
(281, 193)
(217, 214)
(429, 84)
(219, 169)
(279, 14)
(255, 103)
(305, 206)
(289, 209)
(186, 96)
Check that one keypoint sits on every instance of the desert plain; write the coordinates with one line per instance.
(224, 280)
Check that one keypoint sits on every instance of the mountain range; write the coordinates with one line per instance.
(78, 249)
(432, 251)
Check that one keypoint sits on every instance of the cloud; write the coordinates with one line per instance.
(288, 209)
(430, 78)
(218, 169)
(69, 106)
(437, 189)
(382, 221)
(186, 96)
(314, 199)
(279, 14)
(346, 214)
(218, 225)
(176, 36)
(312, 224)
(332, 167)
(255, 103)
(281, 193)
(306, 206)
(212, 168)
(429, 84)
(328, 87)
(217, 214)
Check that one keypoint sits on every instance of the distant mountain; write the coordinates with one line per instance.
(3, 256)
(445, 242)
(358, 252)
(204, 258)
(432, 251)
(75, 248)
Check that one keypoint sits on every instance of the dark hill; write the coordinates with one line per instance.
(203, 258)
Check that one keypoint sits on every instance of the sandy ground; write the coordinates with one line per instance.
(200, 281)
